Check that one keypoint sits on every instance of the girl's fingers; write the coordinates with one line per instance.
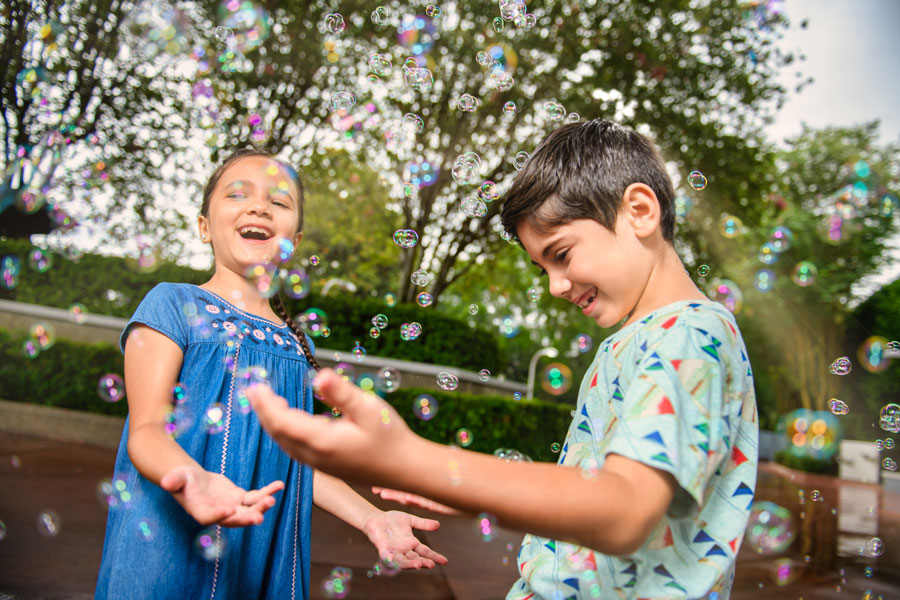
(424, 524)
(253, 496)
(427, 553)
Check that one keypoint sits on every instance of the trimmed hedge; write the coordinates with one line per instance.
(444, 341)
(66, 376)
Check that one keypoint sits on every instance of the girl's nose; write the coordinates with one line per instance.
(258, 205)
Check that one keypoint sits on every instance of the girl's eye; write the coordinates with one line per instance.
(237, 195)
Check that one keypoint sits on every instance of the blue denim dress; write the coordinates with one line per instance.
(153, 548)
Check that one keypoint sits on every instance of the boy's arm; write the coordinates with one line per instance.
(612, 510)
(152, 364)
(389, 531)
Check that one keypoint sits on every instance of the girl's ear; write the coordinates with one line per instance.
(297, 238)
(203, 228)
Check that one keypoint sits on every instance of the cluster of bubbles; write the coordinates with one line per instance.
(337, 584)
(889, 417)
(406, 238)
(556, 379)
(838, 407)
(410, 331)
(841, 366)
(447, 381)
(113, 493)
(466, 168)
(511, 455)
(41, 336)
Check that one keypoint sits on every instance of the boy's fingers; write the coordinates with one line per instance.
(277, 418)
(337, 392)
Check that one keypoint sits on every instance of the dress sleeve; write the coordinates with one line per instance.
(674, 415)
(162, 309)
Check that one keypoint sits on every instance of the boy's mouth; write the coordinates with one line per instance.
(586, 299)
(255, 232)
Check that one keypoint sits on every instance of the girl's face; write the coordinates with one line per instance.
(254, 204)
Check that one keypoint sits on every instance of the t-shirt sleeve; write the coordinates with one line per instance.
(672, 417)
(162, 309)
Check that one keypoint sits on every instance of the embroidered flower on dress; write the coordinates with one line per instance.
(259, 334)
(212, 309)
(277, 339)
(229, 327)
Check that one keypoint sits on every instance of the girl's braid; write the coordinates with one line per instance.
(280, 310)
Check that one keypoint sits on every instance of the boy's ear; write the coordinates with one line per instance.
(641, 208)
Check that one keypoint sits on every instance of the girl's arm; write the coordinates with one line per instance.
(391, 532)
(152, 364)
(611, 510)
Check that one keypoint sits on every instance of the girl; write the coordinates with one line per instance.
(223, 470)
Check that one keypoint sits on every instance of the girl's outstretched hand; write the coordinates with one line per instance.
(407, 499)
(391, 532)
(212, 498)
(366, 444)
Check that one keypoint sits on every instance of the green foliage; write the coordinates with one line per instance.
(65, 375)
(807, 463)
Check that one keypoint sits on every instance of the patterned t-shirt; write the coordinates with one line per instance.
(673, 391)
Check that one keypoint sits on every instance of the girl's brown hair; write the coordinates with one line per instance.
(277, 302)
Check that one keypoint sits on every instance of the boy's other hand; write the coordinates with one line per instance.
(365, 444)
(391, 532)
(408, 499)
(212, 498)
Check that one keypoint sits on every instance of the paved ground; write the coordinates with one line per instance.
(37, 474)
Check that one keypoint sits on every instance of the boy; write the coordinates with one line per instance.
(665, 433)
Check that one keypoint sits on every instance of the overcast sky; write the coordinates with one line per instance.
(852, 51)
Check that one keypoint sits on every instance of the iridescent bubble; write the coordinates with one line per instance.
(697, 180)
(703, 270)
(497, 24)
(555, 111)
(425, 407)
(374, 333)
(388, 380)
(78, 312)
(314, 260)
(464, 437)
(209, 544)
(583, 342)
(467, 103)
(346, 371)
(889, 443)
(508, 327)
(730, 226)
(874, 547)
(314, 321)
(10, 268)
(488, 191)
(804, 273)
(43, 335)
(473, 309)
(889, 417)
(517, 396)
(767, 254)
(534, 293)
(285, 250)
(838, 407)
(555, 447)
(769, 529)
(30, 349)
(424, 299)
(487, 523)
(343, 100)
(483, 58)
(573, 117)
(509, 108)
(472, 206)
(410, 63)
(419, 79)
(264, 277)
(358, 351)
(248, 21)
(556, 379)
(334, 23)
(420, 277)
(433, 11)
(447, 381)
(223, 34)
(841, 366)
(889, 464)
(726, 293)
(214, 418)
(48, 523)
(380, 321)
(410, 331)
(39, 260)
(484, 375)
(111, 388)
(379, 16)
(683, 206)
(413, 123)
(390, 299)
(466, 168)
(296, 283)
(872, 355)
(380, 64)
(764, 280)
(892, 349)
(406, 238)
(244, 379)
(520, 159)
(781, 238)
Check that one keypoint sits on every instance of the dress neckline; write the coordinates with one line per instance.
(240, 310)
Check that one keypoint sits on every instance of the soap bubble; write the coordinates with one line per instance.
(433, 11)
(764, 280)
(466, 168)
(767, 254)
(43, 335)
(703, 270)
(583, 342)
(497, 24)
(337, 584)
(413, 123)
(697, 180)
(425, 407)
(473, 309)
(420, 278)
(484, 375)
(488, 191)
(464, 437)
(314, 321)
(781, 238)
(248, 22)
(380, 64)
(285, 250)
(509, 108)
(406, 238)
(447, 381)
(410, 331)
(892, 349)
(508, 327)
(334, 23)
(209, 544)
(358, 351)
(419, 79)
(374, 333)
(390, 299)
(838, 407)
(813, 434)
(520, 159)
(343, 100)
(517, 396)
(841, 366)
(730, 226)
(770, 528)
(223, 34)
(388, 380)
(889, 464)
(467, 103)
(111, 387)
(346, 371)
(424, 299)
(555, 447)
(379, 16)
(487, 524)
(872, 355)
(39, 260)
(48, 523)
(214, 418)
(556, 379)
(264, 277)
(296, 283)
(726, 293)
(473, 207)
(534, 293)
(78, 312)
(10, 269)
(244, 379)
(555, 111)
(158, 28)
(874, 547)
(889, 418)
(804, 273)
(30, 349)
(483, 58)
(380, 321)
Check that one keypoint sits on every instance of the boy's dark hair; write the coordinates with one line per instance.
(580, 171)
(277, 302)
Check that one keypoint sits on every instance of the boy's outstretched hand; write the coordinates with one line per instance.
(361, 445)
(212, 498)
(391, 532)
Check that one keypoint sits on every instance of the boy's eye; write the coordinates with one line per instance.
(562, 256)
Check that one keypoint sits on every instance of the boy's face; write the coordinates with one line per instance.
(603, 272)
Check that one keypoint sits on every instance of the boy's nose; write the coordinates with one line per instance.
(559, 286)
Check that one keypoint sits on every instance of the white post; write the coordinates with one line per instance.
(550, 352)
